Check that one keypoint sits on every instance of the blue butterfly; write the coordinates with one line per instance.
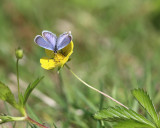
(49, 41)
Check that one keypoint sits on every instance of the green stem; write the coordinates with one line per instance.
(63, 94)
(18, 118)
(61, 84)
(18, 76)
(94, 88)
(11, 118)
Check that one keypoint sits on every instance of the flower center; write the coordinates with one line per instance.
(58, 57)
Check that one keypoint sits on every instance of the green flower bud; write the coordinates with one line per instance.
(19, 53)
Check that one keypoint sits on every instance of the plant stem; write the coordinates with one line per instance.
(35, 122)
(94, 88)
(18, 118)
(61, 84)
(18, 76)
(11, 118)
(63, 94)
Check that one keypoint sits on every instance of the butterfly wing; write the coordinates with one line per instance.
(63, 40)
(43, 43)
(50, 37)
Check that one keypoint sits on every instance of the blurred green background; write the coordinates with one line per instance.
(116, 49)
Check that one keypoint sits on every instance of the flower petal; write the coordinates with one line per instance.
(47, 63)
(68, 50)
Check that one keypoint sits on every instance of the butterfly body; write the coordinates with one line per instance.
(49, 41)
(55, 49)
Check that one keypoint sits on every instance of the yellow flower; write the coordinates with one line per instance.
(56, 59)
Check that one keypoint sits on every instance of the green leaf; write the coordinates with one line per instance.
(122, 114)
(7, 95)
(30, 89)
(131, 124)
(146, 102)
(21, 99)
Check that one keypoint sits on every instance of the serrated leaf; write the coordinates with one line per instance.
(146, 102)
(7, 95)
(131, 124)
(120, 114)
(30, 89)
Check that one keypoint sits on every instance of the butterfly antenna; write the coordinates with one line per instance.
(69, 32)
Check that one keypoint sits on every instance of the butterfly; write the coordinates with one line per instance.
(49, 41)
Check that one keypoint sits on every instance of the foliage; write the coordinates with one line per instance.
(7, 95)
(116, 45)
(129, 118)
(30, 89)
